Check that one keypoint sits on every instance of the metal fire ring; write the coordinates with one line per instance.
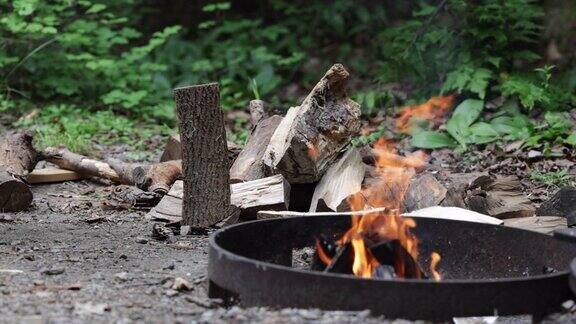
(487, 270)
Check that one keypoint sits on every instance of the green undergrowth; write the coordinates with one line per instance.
(79, 129)
(553, 178)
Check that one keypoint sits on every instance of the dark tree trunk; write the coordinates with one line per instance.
(206, 198)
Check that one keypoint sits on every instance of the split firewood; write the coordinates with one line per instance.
(503, 199)
(17, 158)
(269, 214)
(248, 197)
(266, 193)
(312, 135)
(562, 203)
(249, 165)
(206, 199)
(424, 191)
(50, 175)
(173, 150)
(157, 177)
(85, 166)
(540, 224)
(343, 179)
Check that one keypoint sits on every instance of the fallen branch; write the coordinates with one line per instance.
(85, 166)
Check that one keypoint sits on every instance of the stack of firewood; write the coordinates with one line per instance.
(303, 161)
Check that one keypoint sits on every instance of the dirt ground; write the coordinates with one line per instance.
(57, 266)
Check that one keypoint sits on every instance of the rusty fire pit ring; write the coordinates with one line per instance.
(250, 263)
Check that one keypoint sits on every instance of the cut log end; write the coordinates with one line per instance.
(15, 195)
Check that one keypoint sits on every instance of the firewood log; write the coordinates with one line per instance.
(312, 135)
(17, 158)
(157, 177)
(85, 166)
(343, 179)
(249, 165)
(173, 150)
(249, 197)
(204, 153)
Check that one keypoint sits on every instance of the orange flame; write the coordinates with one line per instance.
(394, 173)
(434, 260)
(434, 108)
(322, 254)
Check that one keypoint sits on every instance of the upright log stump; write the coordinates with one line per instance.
(17, 158)
(206, 198)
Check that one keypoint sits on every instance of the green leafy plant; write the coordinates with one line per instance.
(554, 178)
(78, 52)
(461, 129)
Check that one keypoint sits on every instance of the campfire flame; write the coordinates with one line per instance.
(322, 254)
(394, 173)
(434, 108)
(434, 260)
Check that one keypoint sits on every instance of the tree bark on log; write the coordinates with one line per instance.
(157, 177)
(206, 198)
(65, 159)
(17, 158)
(249, 164)
(173, 150)
(312, 135)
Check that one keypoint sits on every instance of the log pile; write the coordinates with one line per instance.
(303, 161)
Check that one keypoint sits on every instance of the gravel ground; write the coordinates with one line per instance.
(56, 267)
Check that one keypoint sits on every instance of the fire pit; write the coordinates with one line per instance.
(485, 269)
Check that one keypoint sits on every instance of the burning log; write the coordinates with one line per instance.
(343, 179)
(173, 150)
(393, 254)
(207, 187)
(249, 165)
(249, 197)
(312, 135)
(17, 158)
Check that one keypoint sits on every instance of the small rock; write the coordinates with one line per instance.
(141, 240)
(91, 309)
(171, 292)
(122, 276)
(123, 257)
(170, 266)
(181, 284)
(532, 154)
(52, 271)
